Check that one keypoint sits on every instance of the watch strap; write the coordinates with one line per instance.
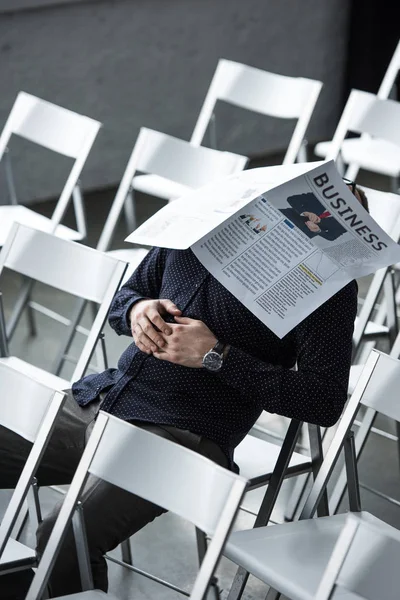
(219, 348)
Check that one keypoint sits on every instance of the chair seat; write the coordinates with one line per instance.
(292, 557)
(36, 373)
(159, 186)
(17, 555)
(371, 154)
(132, 256)
(22, 214)
(256, 457)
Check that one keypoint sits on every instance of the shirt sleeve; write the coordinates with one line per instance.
(143, 284)
(317, 391)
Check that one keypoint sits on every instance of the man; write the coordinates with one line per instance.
(199, 372)
(309, 215)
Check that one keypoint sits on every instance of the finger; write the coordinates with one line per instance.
(170, 307)
(157, 320)
(184, 320)
(152, 334)
(141, 338)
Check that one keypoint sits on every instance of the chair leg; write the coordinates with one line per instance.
(126, 551)
(213, 591)
(130, 212)
(31, 319)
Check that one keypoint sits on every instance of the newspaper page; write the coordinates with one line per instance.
(184, 221)
(292, 247)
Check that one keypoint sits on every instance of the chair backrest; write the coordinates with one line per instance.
(30, 409)
(391, 74)
(162, 472)
(175, 159)
(263, 92)
(384, 208)
(370, 390)
(67, 266)
(365, 113)
(364, 561)
(24, 402)
(56, 128)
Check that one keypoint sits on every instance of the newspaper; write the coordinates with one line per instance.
(282, 250)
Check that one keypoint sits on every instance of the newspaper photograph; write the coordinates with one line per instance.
(284, 248)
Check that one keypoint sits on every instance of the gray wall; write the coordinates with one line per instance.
(132, 63)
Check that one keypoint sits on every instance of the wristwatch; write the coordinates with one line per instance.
(213, 359)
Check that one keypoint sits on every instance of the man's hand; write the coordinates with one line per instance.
(311, 216)
(313, 227)
(149, 330)
(188, 343)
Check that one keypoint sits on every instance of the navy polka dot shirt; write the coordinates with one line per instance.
(256, 375)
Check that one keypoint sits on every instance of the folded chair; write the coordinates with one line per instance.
(30, 409)
(354, 151)
(68, 267)
(292, 558)
(158, 470)
(255, 90)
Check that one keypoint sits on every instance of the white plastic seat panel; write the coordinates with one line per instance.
(15, 552)
(257, 457)
(161, 187)
(36, 373)
(132, 256)
(291, 557)
(22, 214)
(371, 154)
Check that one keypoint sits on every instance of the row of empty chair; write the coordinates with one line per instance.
(349, 557)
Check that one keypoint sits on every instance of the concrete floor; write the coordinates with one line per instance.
(167, 547)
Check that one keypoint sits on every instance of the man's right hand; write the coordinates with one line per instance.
(147, 324)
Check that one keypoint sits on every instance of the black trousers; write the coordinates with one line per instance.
(111, 514)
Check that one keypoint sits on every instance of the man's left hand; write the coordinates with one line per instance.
(188, 343)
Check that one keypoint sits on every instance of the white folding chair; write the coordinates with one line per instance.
(252, 89)
(294, 566)
(62, 131)
(354, 150)
(384, 208)
(68, 267)
(164, 156)
(29, 409)
(140, 462)
(377, 121)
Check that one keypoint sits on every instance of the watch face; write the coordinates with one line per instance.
(212, 361)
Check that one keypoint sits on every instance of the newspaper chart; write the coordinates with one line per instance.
(282, 240)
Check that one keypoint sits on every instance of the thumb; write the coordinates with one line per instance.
(170, 307)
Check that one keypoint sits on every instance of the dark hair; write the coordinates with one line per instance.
(363, 198)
